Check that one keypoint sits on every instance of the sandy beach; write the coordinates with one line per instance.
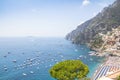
(109, 66)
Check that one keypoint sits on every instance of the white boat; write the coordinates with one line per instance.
(5, 68)
(76, 50)
(14, 61)
(80, 56)
(31, 72)
(92, 53)
(24, 74)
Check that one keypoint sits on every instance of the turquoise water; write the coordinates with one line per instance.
(31, 58)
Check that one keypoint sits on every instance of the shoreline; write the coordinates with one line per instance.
(109, 64)
(99, 67)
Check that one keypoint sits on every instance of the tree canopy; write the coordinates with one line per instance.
(118, 78)
(69, 70)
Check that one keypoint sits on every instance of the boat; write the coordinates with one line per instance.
(80, 56)
(5, 68)
(14, 61)
(24, 74)
(76, 50)
(31, 72)
(92, 53)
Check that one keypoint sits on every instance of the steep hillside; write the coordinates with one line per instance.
(110, 43)
(103, 22)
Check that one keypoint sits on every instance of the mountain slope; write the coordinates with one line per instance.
(110, 43)
(102, 23)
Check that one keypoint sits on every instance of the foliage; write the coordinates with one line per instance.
(118, 78)
(85, 78)
(97, 42)
(69, 70)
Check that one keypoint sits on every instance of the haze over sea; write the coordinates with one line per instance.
(30, 58)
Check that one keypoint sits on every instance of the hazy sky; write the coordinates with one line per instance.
(46, 18)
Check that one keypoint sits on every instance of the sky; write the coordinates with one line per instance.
(46, 18)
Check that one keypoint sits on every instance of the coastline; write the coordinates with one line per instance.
(103, 61)
(99, 66)
(108, 67)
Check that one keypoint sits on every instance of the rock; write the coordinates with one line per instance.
(103, 22)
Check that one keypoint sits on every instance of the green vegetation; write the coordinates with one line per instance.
(85, 78)
(118, 78)
(97, 42)
(69, 70)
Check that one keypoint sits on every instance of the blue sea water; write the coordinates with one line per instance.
(30, 58)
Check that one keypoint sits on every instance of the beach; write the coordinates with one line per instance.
(107, 68)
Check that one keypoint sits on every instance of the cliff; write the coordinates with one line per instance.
(103, 22)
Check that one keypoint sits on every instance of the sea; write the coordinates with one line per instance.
(30, 58)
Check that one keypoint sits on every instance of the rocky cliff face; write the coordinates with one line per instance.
(103, 22)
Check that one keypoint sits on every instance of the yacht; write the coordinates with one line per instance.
(31, 72)
(24, 74)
